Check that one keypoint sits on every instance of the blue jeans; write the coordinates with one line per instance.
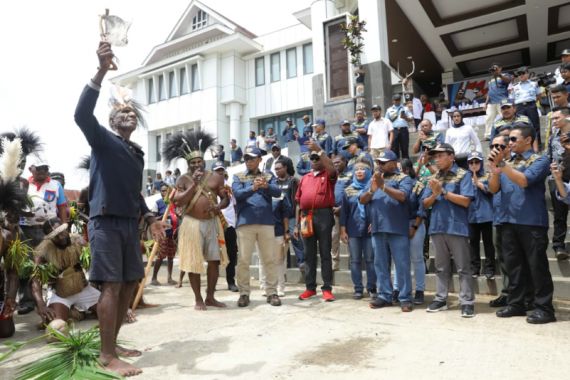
(362, 247)
(399, 247)
(297, 243)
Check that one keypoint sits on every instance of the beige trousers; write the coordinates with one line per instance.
(280, 257)
(335, 244)
(264, 236)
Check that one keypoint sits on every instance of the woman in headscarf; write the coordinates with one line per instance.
(462, 138)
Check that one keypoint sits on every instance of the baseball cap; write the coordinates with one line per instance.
(288, 119)
(565, 52)
(506, 103)
(41, 163)
(387, 155)
(253, 152)
(319, 122)
(397, 97)
(443, 148)
(275, 146)
(474, 155)
(375, 107)
(218, 165)
(345, 122)
(349, 141)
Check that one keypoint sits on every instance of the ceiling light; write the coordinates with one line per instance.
(409, 57)
(395, 40)
(422, 71)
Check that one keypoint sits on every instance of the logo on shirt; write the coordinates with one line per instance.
(49, 196)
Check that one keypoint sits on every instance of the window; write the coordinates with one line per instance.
(259, 71)
(337, 60)
(275, 67)
(183, 81)
(161, 88)
(308, 59)
(200, 20)
(171, 85)
(158, 147)
(291, 62)
(151, 98)
(195, 78)
(278, 123)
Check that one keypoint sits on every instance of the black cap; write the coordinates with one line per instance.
(397, 97)
(275, 146)
(443, 148)
(349, 141)
(375, 107)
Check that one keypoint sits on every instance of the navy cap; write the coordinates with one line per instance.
(396, 96)
(387, 156)
(275, 146)
(289, 119)
(320, 122)
(375, 107)
(253, 152)
(218, 165)
(442, 148)
(506, 103)
(474, 155)
(349, 141)
(345, 122)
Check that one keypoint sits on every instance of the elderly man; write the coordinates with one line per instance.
(253, 191)
(509, 117)
(427, 138)
(116, 204)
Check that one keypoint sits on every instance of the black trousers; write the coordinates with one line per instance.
(560, 226)
(524, 250)
(529, 110)
(501, 259)
(323, 222)
(476, 230)
(231, 245)
(401, 142)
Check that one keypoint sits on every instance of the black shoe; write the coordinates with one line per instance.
(243, 300)
(510, 311)
(23, 310)
(538, 317)
(233, 288)
(406, 307)
(561, 254)
(372, 293)
(395, 295)
(379, 303)
(419, 297)
(436, 306)
(467, 311)
(490, 276)
(500, 301)
(274, 300)
(357, 295)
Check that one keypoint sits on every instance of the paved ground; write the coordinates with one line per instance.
(340, 340)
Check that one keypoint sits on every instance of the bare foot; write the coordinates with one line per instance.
(122, 368)
(147, 305)
(200, 306)
(179, 284)
(122, 351)
(155, 282)
(215, 303)
(130, 317)
(172, 282)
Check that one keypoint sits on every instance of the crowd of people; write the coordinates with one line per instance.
(359, 188)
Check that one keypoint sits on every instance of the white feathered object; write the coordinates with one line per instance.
(10, 159)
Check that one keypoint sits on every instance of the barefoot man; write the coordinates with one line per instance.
(201, 234)
(116, 203)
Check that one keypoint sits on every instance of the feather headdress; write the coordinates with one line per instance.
(121, 99)
(187, 145)
(10, 158)
(30, 141)
(13, 199)
(85, 163)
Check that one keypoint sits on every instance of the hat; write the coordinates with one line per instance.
(319, 122)
(387, 155)
(344, 122)
(218, 165)
(475, 156)
(288, 120)
(565, 52)
(349, 141)
(253, 152)
(396, 96)
(275, 146)
(41, 163)
(506, 103)
(375, 107)
(443, 148)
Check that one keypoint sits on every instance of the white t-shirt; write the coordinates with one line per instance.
(462, 139)
(379, 130)
(261, 144)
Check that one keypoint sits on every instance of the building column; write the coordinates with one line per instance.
(233, 110)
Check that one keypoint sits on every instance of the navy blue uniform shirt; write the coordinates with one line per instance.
(481, 206)
(386, 213)
(343, 181)
(254, 207)
(350, 218)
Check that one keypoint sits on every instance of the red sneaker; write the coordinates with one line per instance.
(307, 294)
(328, 296)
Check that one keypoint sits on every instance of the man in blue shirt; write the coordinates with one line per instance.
(235, 152)
(525, 94)
(322, 137)
(253, 191)
(399, 115)
(524, 219)
(354, 154)
(449, 194)
(498, 90)
(116, 203)
(340, 140)
(360, 126)
(290, 131)
(304, 164)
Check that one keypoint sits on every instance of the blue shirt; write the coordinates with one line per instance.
(526, 206)
(344, 179)
(447, 217)
(363, 137)
(526, 91)
(350, 218)
(289, 132)
(254, 207)
(481, 206)
(416, 207)
(386, 213)
(340, 140)
(116, 168)
(393, 114)
(302, 140)
(498, 90)
(325, 142)
(236, 154)
(304, 164)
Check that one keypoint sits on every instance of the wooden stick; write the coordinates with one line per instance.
(151, 257)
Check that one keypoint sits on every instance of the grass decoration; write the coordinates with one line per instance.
(85, 258)
(76, 356)
(18, 257)
(45, 272)
(148, 247)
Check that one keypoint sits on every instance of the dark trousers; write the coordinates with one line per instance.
(323, 222)
(501, 259)
(401, 142)
(524, 250)
(231, 245)
(560, 226)
(529, 110)
(476, 230)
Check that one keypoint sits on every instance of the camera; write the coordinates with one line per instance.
(545, 79)
(493, 68)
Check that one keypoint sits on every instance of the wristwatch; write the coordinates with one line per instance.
(501, 164)
(443, 192)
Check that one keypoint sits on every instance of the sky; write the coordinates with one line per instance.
(49, 55)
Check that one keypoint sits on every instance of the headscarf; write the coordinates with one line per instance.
(461, 124)
(361, 185)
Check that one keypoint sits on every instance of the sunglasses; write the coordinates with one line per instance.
(315, 158)
(474, 162)
(513, 139)
(499, 146)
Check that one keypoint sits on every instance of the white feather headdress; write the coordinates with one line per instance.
(10, 158)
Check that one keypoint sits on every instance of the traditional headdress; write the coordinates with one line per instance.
(29, 140)
(187, 145)
(13, 199)
(121, 98)
(85, 163)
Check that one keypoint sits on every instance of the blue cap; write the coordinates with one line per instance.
(349, 141)
(344, 122)
(253, 152)
(506, 102)
(218, 165)
(320, 122)
(387, 155)
(474, 155)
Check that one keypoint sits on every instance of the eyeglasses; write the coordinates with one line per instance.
(513, 139)
(499, 146)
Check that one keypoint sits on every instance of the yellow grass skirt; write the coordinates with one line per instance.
(190, 245)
